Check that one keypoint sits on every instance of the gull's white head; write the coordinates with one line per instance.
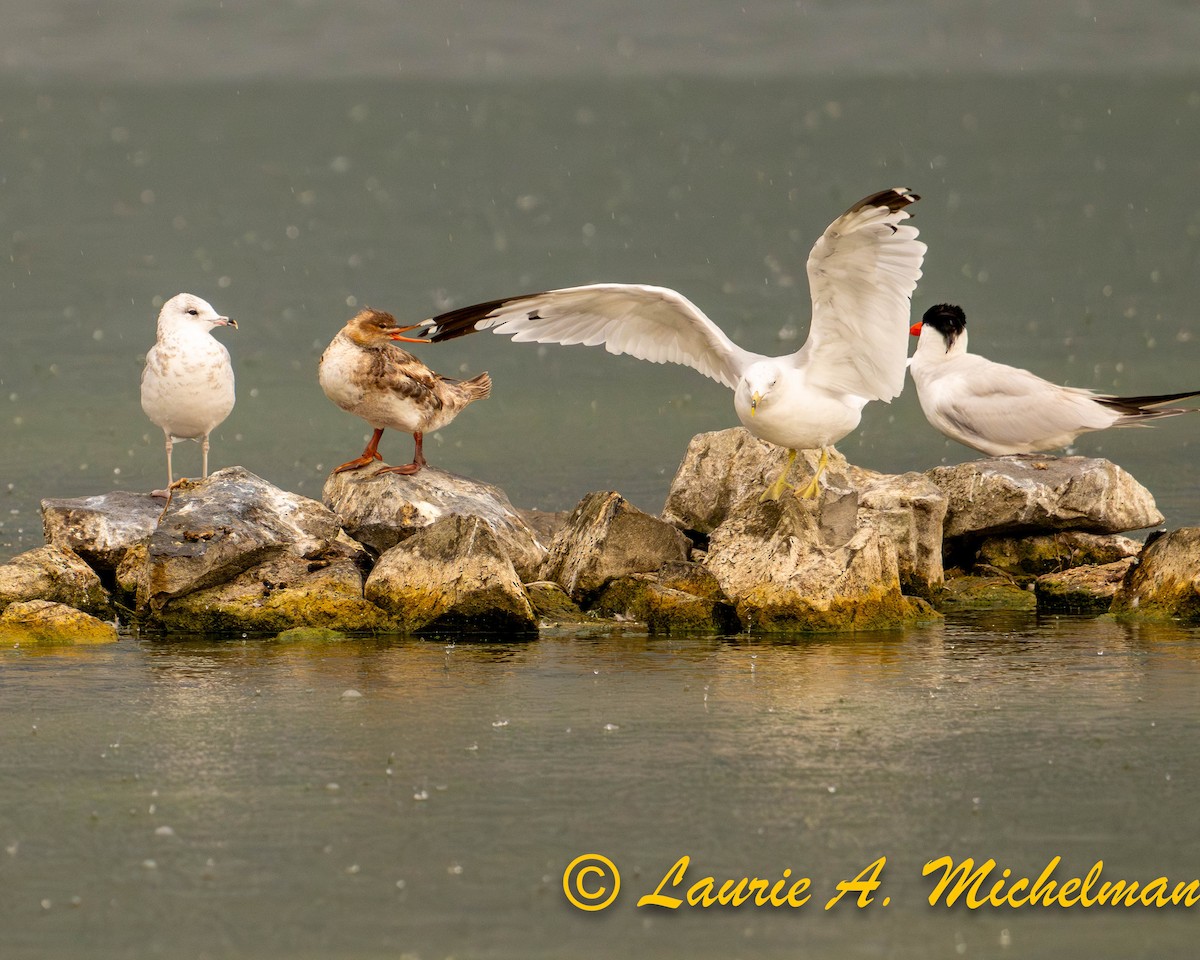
(754, 390)
(185, 312)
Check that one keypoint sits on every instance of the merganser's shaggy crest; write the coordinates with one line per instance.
(1000, 410)
(365, 373)
(187, 384)
(861, 275)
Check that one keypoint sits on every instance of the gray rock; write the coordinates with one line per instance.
(452, 575)
(1165, 583)
(1013, 495)
(215, 529)
(54, 574)
(47, 622)
(774, 562)
(910, 510)
(607, 537)
(724, 467)
(102, 528)
(1086, 589)
(381, 510)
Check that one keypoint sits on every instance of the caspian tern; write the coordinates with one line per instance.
(1000, 410)
(187, 383)
(861, 274)
(365, 373)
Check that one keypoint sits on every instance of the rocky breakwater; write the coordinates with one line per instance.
(436, 553)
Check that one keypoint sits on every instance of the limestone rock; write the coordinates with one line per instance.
(679, 598)
(280, 594)
(453, 575)
(383, 509)
(1165, 584)
(1087, 589)
(1053, 553)
(607, 537)
(724, 467)
(215, 529)
(1013, 495)
(772, 560)
(47, 622)
(101, 528)
(552, 605)
(52, 573)
(910, 510)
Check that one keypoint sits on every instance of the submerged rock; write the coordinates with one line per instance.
(985, 593)
(452, 575)
(679, 597)
(101, 529)
(47, 622)
(607, 537)
(1165, 583)
(1018, 495)
(383, 509)
(52, 573)
(552, 605)
(1086, 589)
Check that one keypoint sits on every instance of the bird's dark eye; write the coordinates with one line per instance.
(193, 312)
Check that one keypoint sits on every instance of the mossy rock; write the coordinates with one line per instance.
(45, 623)
(779, 612)
(985, 593)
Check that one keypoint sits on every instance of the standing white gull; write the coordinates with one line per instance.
(1001, 410)
(861, 275)
(187, 385)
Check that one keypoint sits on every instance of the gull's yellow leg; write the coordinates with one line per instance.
(813, 490)
(775, 490)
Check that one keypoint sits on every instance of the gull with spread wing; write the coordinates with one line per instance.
(861, 274)
(1001, 410)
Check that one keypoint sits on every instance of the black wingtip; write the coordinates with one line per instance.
(894, 198)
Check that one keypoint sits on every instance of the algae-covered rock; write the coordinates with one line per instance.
(280, 594)
(310, 635)
(773, 561)
(101, 528)
(1033, 556)
(674, 600)
(1087, 589)
(384, 509)
(1016, 495)
(216, 529)
(44, 622)
(985, 593)
(56, 574)
(607, 537)
(1165, 583)
(552, 605)
(452, 575)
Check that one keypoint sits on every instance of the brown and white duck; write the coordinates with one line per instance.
(366, 373)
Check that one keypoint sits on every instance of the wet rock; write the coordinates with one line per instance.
(101, 528)
(910, 510)
(47, 622)
(216, 529)
(1087, 589)
(282, 593)
(1014, 495)
(382, 510)
(1033, 556)
(607, 537)
(552, 605)
(452, 575)
(724, 467)
(985, 593)
(52, 573)
(310, 635)
(773, 562)
(679, 598)
(1165, 583)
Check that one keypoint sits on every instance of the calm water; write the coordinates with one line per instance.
(433, 816)
(293, 162)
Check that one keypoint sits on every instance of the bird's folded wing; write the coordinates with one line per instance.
(651, 323)
(861, 273)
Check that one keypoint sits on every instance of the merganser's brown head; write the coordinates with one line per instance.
(371, 327)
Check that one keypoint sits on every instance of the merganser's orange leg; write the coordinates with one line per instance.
(369, 456)
(418, 460)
